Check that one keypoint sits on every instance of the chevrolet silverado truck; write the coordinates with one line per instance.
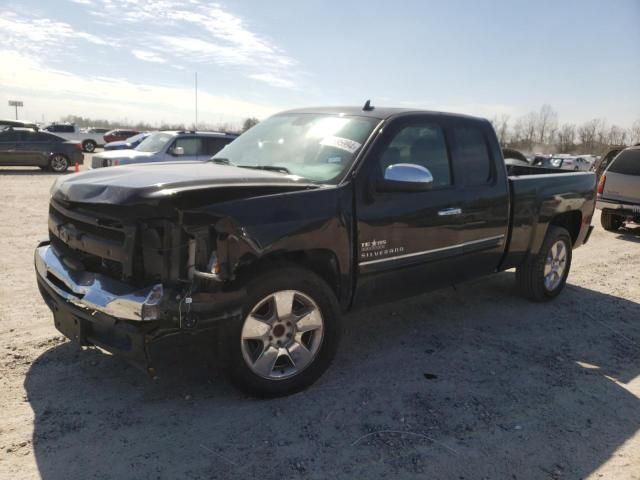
(309, 215)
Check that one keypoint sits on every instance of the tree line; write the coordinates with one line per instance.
(542, 132)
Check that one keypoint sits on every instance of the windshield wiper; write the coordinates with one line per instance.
(221, 161)
(270, 168)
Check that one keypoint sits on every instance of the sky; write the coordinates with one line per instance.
(132, 60)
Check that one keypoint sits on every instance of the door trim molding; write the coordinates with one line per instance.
(497, 239)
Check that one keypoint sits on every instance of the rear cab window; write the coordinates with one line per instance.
(473, 163)
(626, 163)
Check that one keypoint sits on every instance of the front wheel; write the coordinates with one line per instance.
(288, 335)
(89, 146)
(58, 163)
(543, 276)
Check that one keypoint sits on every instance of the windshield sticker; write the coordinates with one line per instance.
(341, 143)
(335, 159)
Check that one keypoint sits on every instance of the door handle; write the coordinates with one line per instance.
(449, 211)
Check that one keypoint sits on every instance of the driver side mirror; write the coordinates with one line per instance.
(406, 177)
(177, 151)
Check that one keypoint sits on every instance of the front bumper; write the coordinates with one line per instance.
(96, 292)
(92, 309)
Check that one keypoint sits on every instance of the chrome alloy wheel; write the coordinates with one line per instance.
(282, 335)
(555, 265)
(59, 163)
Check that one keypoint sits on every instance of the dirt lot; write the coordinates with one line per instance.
(466, 384)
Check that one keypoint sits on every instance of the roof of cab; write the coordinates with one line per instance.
(381, 113)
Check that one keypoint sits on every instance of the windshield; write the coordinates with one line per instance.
(317, 147)
(137, 137)
(154, 142)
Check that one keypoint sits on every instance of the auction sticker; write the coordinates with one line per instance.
(341, 143)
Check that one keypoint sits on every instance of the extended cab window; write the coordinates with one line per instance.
(420, 144)
(472, 156)
(627, 163)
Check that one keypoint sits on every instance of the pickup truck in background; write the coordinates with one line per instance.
(308, 215)
(69, 131)
(619, 190)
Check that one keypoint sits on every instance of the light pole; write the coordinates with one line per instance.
(195, 127)
(16, 104)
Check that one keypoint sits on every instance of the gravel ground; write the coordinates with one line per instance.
(469, 383)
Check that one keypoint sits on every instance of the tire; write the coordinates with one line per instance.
(610, 221)
(89, 146)
(256, 363)
(534, 276)
(58, 163)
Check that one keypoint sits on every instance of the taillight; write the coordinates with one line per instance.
(116, 162)
(600, 190)
(78, 146)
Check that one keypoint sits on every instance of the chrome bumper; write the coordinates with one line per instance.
(93, 291)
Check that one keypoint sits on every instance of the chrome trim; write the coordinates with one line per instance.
(408, 173)
(98, 292)
(435, 250)
(450, 211)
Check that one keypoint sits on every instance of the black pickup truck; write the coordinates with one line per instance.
(310, 214)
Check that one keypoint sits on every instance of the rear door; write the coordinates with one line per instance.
(484, 207)
(30, 147)
(623, 178)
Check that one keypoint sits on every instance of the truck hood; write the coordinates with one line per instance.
(149, 183)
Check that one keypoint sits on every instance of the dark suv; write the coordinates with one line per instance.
(30, 147)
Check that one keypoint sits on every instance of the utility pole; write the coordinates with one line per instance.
(196, 124)
(16, 104)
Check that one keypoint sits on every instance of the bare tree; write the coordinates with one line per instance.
(588, 132)
(501, 126)
(634, 132)
(248, 123)
(547, 121)
(566, 137)
(616, 136)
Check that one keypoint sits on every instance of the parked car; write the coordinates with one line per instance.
(307, 215)
(69, 131)
(29, 147)
(167, 146)
(128, 144)
(619, 190)
(119, 135)
(17, 123)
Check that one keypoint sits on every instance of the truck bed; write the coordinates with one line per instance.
(538, 195)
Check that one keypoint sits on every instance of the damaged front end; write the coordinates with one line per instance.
(122, 279)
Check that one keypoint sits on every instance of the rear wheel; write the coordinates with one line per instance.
(543, 276)
(89, 146)
(58, 163)
(288, 335)
(610, 221)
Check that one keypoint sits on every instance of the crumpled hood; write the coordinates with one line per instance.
(146, 183)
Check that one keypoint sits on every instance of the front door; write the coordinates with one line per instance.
(407, 242)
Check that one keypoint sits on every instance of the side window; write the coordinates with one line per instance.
(8, 135)
(213, 145)
(472, 156)
(191, 145)
(45, 137)
(421, 144)
(66, 128)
